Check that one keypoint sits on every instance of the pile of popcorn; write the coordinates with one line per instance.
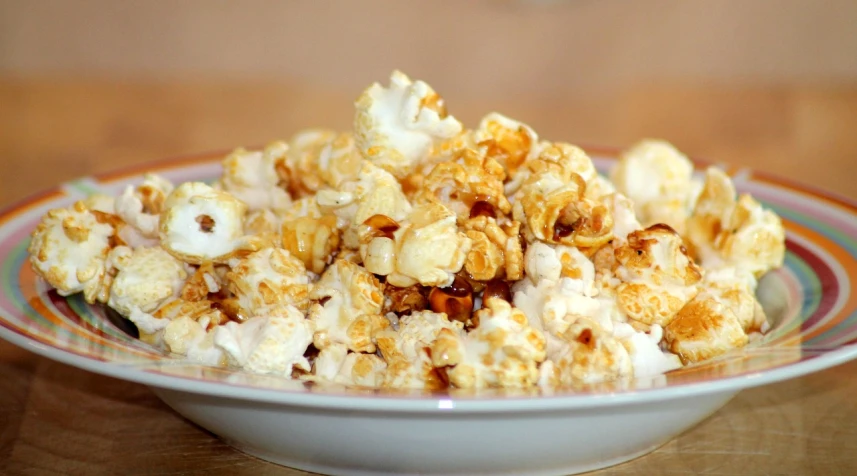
(414, 253)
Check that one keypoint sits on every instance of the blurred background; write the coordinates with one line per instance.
(90, 85)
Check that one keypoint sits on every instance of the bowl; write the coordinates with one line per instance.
(337, 430)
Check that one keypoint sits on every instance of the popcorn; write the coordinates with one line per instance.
(378, 193)
(297, 163)
(703, 329)
(312, 240)
(205, 280)
(560, 159)
(647, 357)
(427, 248)
(658, 278)
(146, 278)
(590, 355)
(409, 363)
(186, 336)
(504, 351)
(470, 186)
(416, 254)
(339, 161)
(201, 224)
(624, 219)
(251, 176)
(546, 262)
(374, 192)
(335, 364)
(735, 288)
(495, 252)
(269, 277)
(273, 343)
(404, 300)
(509, 142)
(739, 233)
(69, 250)
(399, 126)
(553, 208)
(100, 202)
(553, 306)
(657, 177)
(142, 206)
(205, 312)
(350, 309)
(264, 223)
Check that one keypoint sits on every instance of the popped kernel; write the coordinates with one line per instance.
(658, 178)
(407, 351)
(251, 176)
(146, 278)
(269, 277)
(271, 343)
(141, 206)
(202, 224)
(590, 355)
(657, 276)
(336, 364)
(730, 232)
(426, 248)
(469, 185)
(349, 308)
(495, 252)
(704, 328)
(68, 249)
(401, 125)
(297, 162)
(553, 208)
(504, 351)
(509, 142)
(312, 240)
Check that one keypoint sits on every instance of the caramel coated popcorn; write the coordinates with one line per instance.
(414, 253)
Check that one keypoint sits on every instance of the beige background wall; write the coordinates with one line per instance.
(91, 85)
(469, 47)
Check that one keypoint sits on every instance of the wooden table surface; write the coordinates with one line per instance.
(56, 419)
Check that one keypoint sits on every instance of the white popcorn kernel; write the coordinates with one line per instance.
(251, 176)
(409, 364)
(351, 310)
(335, 364)
(68, 249)
(271, 344)
(504, 351)
(202, 224)
(141, 206)
(657, 177)
(268, 277)
(146, 278)
(398, 126)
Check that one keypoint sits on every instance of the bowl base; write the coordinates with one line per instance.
(338, 471)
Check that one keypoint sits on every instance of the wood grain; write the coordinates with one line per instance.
(55, 419)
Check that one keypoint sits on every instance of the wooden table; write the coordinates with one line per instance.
(56, 419)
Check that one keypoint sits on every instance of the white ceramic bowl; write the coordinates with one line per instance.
(339, 431)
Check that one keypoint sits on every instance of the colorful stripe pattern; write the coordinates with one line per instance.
(809, 301)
